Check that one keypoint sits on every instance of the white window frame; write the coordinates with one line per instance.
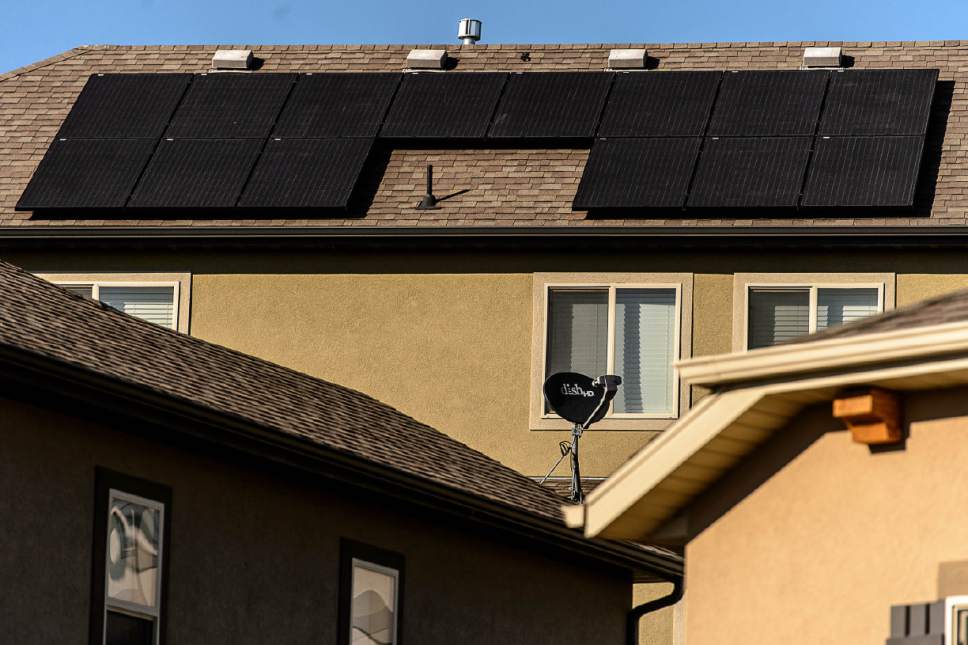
(884, 283)
(122, 606)
(180, 282)
(376, 568)
(545, 283)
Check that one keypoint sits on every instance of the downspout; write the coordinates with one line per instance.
(636, 613)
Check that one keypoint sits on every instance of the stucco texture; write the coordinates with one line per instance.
(254, 555)
(814, 537)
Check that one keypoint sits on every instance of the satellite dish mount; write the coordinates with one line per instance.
(583, 401)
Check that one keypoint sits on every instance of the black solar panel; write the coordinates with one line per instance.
(750, 172)
(637, 173)
(337, 105)
(306, 173)
(864, 171)
(551, 105)
(444, 105)
(196, 173)
(667, 104)
(879, 101)
(230, 106)
(86, 173)
(768, 103)
(124, 106)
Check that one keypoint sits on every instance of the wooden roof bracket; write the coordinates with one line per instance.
(873, 415)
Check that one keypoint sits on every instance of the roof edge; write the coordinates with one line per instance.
(56, 58)
(842, 352)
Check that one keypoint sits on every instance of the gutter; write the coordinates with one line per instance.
(664, 237)
(636, 613)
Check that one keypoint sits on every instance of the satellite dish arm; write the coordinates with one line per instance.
(610, 382)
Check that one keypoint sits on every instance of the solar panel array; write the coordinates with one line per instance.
(815, 139)
(661, 140)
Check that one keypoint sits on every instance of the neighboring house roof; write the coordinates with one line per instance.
(514, 189)
(42, 322)
(756, 393)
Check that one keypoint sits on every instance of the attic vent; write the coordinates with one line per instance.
(426, 59)
(821, 57)
(232, 59)
(627, 59)
(468, 30)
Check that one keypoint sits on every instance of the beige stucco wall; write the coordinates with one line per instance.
(447, 337)
(815, 537)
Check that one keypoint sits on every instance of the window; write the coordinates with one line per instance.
(629, 331)
(777, 314)
(371, 588)
(158, 298)
(132, 530)
(636, 325)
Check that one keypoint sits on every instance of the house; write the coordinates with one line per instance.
(602, 208)
(815, 490)
(159, 488)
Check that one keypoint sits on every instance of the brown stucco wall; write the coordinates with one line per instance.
(814, 537)
(254, 557)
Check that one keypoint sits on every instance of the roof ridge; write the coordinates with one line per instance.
(51, 60)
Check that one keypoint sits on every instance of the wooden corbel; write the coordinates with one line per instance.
(873, 415)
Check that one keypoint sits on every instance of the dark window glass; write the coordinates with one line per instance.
(127, 630)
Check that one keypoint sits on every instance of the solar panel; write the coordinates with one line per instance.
(124, 106)
(637, 173)
(196, 173)
(551, 105)
(306, 173)
(337, 105)
(444, 105)
(86, 173)
(864, 171)
(768, 103)
(750, 172)
(667, 104)
(230, 106)
(879, 101)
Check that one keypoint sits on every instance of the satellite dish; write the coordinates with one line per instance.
(579, 398)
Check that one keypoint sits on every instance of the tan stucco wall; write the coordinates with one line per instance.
(446, 337)
(814, 537)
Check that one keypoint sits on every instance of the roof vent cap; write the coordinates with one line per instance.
(232, 59)
(627, 58)
(468, 30)
(426, 59)
(822, 57)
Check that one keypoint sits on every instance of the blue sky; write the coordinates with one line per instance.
(35, 29)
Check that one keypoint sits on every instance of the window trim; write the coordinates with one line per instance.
(181, 282)
(745, 283)
(109, 484)
(375, 559)
(543, 283)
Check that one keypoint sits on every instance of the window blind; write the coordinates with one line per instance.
(645, 329)
(841, 306)
(83, 290)
(154, 304)
(577, 331)
(777, 315)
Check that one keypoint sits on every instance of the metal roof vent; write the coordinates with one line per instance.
(627, 58)
(822, 57)
(468, 30)
(427, 59)
(232, 59)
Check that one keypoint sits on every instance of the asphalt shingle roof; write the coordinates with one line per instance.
(41, 318)
(504, 187)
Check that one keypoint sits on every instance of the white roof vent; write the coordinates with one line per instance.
(822, 57)
(426, 59)
(468, 30)
(232, 59)
(627, 59)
